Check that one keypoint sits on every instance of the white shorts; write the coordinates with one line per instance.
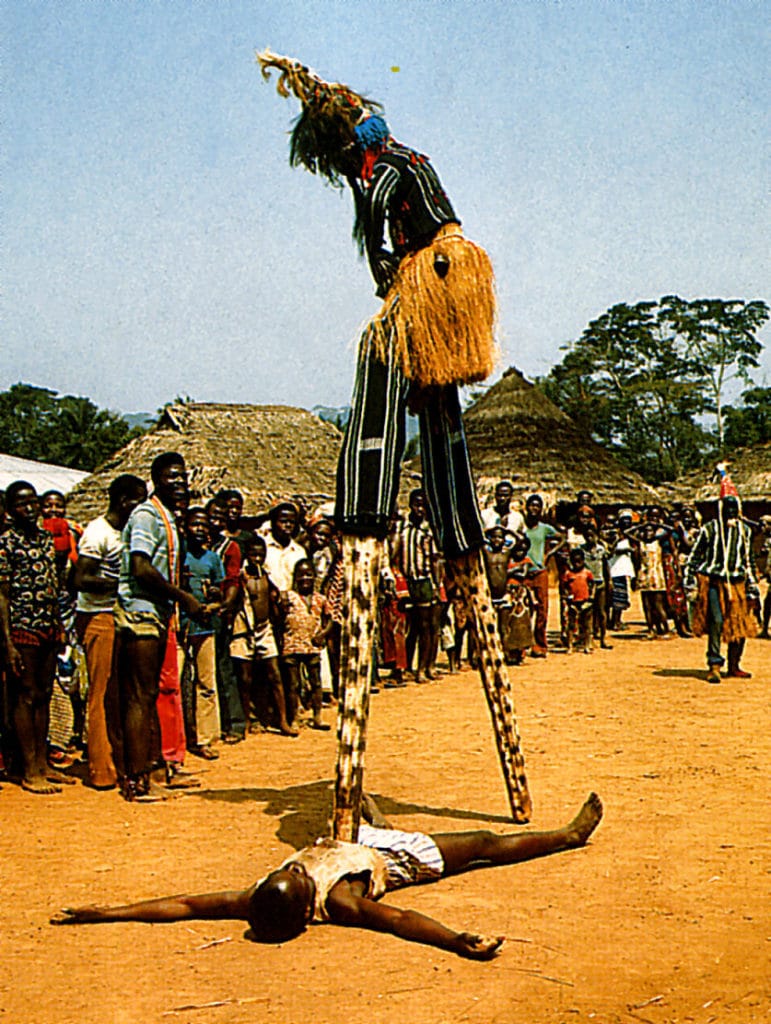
(411, 857)
(247, 645)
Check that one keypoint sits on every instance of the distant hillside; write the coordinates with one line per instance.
(339, 417)
(145, 420)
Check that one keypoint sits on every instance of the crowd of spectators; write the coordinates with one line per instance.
(177, 629)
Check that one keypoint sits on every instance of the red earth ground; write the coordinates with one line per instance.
(664, 917)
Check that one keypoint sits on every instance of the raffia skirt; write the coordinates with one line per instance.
(443, 307)
(738, 621)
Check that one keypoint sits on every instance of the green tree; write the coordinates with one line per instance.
(630, 388)
(67, 430)
(749, 423)
(642, 378)
(720, 335)
(27, 420)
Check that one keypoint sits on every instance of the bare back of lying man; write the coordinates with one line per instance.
(341, 883)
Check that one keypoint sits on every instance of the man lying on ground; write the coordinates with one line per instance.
(341, 883)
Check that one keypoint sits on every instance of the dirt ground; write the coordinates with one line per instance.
(664, 917)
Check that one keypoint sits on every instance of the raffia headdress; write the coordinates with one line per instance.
(324, 130)
(439, 318)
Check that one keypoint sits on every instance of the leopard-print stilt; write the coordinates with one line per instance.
(361, 560)
(468, 572)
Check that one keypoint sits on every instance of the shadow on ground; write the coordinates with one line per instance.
(680, 673)
(305, 810)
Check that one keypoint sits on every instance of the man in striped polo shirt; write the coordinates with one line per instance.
(720, 574)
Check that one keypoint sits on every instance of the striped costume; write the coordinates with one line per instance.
(434, 332)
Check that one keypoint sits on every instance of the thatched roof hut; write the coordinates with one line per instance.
(515, 433)
(265, 451)
(750, 471)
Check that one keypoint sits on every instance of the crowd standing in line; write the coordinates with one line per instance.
(194, 630)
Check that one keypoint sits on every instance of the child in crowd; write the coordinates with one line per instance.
(392, 593)
(596, 560)
(621, 567)
(496, 557)
(231, 712)
(306, 625)
(578, 585)
(202, 576)
(651, 581)
(253, 642)
(71, 675)
(519, 637)
(460, 622)
(764, 572)
(324, 547)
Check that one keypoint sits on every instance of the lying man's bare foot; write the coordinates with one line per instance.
(39, 784)
(586, 821)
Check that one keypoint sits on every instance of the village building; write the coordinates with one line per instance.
(266, 452)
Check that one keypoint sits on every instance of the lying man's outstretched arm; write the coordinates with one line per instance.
(345, 906)
(207, 906)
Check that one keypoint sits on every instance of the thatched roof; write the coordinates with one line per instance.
(265, 451)
(750, 471)
(515, 433)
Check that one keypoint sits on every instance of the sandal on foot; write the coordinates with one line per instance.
(178, 778)
(233, 737)
(59, 778)
(207, 753)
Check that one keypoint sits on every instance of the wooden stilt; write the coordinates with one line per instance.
(468, 572)
(361, 558)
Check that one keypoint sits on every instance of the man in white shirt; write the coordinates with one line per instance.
(501, 513)
(96, 580)
(283, 551)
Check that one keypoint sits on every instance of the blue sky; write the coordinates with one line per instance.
(156, 242)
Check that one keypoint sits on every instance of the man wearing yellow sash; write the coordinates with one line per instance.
(145, 616)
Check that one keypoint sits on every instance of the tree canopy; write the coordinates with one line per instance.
(38, 423)
(643, 379)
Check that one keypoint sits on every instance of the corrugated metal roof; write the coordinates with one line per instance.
(42, 475)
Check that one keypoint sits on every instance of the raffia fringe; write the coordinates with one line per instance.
(738, 621)
(443, 328)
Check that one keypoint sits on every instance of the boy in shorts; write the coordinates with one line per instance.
(341, 883)
(253, 641)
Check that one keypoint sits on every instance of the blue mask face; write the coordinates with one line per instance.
(371, 132)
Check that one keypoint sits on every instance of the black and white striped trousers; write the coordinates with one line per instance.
(373, 446)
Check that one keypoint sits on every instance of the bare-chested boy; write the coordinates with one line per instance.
(496, 557)
(340, 883)
(253, 640)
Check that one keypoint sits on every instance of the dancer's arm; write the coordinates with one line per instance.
(345, 907)
(206, 906)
